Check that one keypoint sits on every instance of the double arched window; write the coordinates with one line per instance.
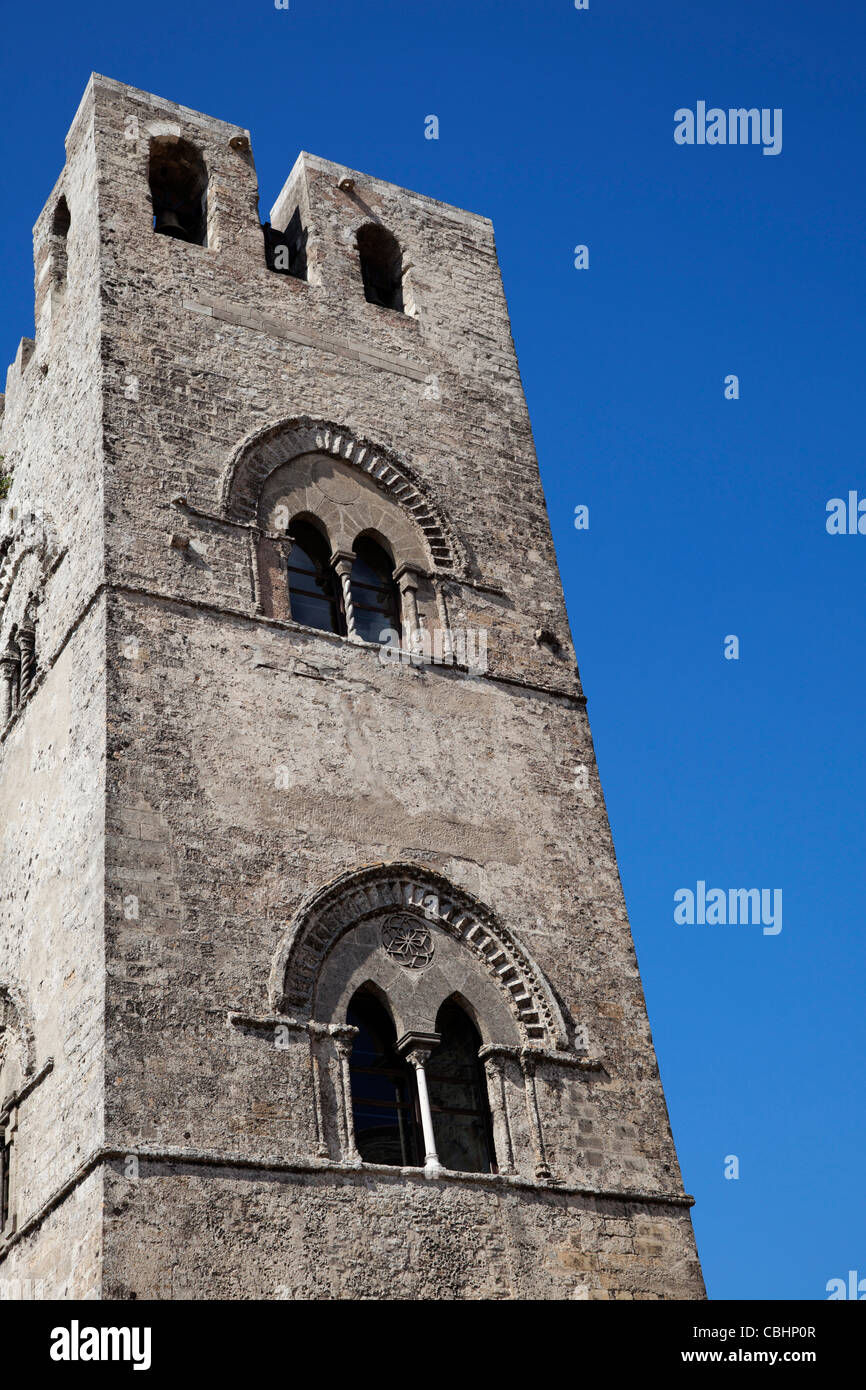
(389, 1095)
(317, 594)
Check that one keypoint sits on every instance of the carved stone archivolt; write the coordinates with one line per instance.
(267, 450)
(421, 896)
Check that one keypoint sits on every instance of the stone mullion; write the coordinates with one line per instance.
(416, 1048)
(27, 648)
(343, 565)
(418, 1057)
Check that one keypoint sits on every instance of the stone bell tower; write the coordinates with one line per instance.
(316, 979)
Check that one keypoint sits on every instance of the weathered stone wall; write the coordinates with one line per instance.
(52, 790)
(222, 824)
(197, 1233)
(52, 751)
(61, 1256)
(251, 761)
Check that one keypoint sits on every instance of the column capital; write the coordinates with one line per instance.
(409, 576)
(416, 1047)
(343, 560)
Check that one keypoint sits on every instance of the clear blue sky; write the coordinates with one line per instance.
(707, 516)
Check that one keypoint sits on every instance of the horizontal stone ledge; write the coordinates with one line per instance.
(239, 1163)
(249, 1163)
(263, 1023)
(335, 639)
(542, 1054)
(220, 311)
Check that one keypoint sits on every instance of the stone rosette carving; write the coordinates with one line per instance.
(407, 941)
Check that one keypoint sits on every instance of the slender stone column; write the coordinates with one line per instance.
(254, 538)
(344, 1052)
(527, 1066)
(27, 648)
(445, 624)
(494, 1068)
(9, 663)
(416, 1048)
(407, 580)
(432, 1166)
(342, 563)
(318, 1122)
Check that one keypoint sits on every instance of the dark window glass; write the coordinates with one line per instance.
(381, 267)
(375, 595)
(383, 1097)
(5, 1163)
(458, 1095)
(313, 593)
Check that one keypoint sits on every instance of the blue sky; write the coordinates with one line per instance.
(707, 516)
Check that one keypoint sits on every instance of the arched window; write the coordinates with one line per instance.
(178, 188)
(62, 220)
(458, 1095)
(383, 1096)
(313, 591)
(381, 266)
(5, 1170)
(375, 596)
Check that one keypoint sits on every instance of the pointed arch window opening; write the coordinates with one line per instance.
(385, 1112)
(315, 597)
(458, 1095)
(425, 1106)
(375, 595)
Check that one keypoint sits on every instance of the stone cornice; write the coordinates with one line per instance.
(359, 1173)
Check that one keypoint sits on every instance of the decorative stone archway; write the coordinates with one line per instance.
(260, 454)
(421, 894)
